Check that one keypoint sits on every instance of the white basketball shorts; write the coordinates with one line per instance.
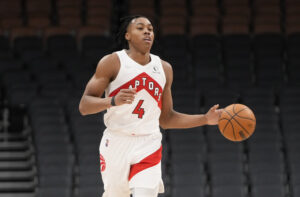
(128, 162)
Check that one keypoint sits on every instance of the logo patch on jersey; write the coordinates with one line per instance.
(156, 70)
(102, 163)
(106, 142)
(140, 82)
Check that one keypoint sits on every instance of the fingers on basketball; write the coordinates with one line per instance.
(215, 107)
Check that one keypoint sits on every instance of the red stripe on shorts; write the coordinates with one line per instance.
(147, 162)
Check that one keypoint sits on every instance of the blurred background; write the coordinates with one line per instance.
(222, 51)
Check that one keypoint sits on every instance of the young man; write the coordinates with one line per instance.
(138, 100)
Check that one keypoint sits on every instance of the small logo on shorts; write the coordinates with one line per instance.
(102, 163)
(106, 142)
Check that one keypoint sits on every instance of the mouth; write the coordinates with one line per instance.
(147, 40)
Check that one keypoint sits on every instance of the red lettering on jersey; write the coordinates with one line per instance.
(138, 110)
(143, 81)
(102, 163)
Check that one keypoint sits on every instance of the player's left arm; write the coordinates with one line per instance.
(169, 118)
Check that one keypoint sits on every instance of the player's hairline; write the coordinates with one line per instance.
(144, 24)
(134, 19)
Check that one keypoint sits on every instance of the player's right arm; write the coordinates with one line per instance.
(106, 71)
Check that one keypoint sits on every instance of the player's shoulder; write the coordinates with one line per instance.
(109, 63)
(166, 66)
(109, 58)
(168, 70)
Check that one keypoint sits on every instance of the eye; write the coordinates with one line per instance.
(140, 28)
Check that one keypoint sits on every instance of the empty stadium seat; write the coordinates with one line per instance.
(227, 191)
(263, 190)
(189, 190)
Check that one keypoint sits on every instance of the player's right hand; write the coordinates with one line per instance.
(125, 96)
(213, 115)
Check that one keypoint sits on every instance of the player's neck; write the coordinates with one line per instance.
(139, 57)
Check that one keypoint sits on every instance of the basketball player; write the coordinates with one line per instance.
(138, 100)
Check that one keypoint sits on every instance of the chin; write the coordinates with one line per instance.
(145, 50)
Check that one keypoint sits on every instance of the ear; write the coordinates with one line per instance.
(127, 36)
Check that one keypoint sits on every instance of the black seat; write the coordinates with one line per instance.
(58, 192)
(296, 190)
(293, 58)
(26, 43)
(264, 167)
(84, 191)
(88, 168)
(229, 191)
(94, 179)
(227, 179)
(221, 96)
(186, 179)
(225, 157)
(276, 190)
(16, 77)
(5, 50)
(237, 59)
(55, 170)
(10, 64)
(186, 167)
(207, 60)
(55, 181)
(62, 46)
(274, 156)
(42, 64)
(94, 47)
(217, 168)
(188, 190)
(267, 178)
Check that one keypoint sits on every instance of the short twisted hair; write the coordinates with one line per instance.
(125, 22)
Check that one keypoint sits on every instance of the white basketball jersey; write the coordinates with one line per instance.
(142, 116)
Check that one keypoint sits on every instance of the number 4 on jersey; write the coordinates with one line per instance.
(138, 110)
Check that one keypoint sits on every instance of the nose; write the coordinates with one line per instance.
(147, 32)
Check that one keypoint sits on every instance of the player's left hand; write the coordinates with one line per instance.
(213, 115)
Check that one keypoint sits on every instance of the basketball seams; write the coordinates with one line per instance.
(233, 131)
(227, 112)
(235, 117)
(245, 118)
(224, 119)
(239, 129)
(241, 126)
(231, 116)
(224, 129)
(233, 107)
(237, 113)
(227, 121)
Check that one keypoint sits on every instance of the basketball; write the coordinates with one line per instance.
(237, 122)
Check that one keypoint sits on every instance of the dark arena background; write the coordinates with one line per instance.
(222, 51)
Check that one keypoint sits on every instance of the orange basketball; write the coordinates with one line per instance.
(237, 122)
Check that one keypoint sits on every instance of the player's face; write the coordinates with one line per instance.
(140, 34)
